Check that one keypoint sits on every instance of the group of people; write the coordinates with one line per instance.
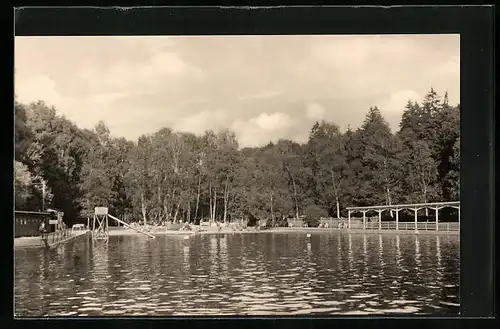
(341, 225)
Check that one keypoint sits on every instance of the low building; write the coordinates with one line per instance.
(27, 223)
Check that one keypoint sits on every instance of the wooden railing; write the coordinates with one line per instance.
(410, 226)
(57, 236)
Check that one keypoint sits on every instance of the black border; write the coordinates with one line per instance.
(474, 23)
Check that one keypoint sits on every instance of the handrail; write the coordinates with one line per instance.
(133, 228)
(55, 237)
(404, 206)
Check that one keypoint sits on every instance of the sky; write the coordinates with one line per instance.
(261, 87)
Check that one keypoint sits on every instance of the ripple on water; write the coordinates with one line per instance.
(402, 301)
(327, 302)
(90, 304)
(342, 290)
(70, 313)
(263, 295)
(355, 312)
(133, 288)
(353, 285)
(406, 309)
(325, 310)
(112, 312)
(264, 313)
(246, 300)
(90, 309)
(241, 278)
(360, 296)
(301, 312)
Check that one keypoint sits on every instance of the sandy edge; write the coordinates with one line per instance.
(125, 231)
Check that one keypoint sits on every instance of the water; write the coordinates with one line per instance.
(241, 274)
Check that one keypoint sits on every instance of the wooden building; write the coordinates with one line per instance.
(27, 223)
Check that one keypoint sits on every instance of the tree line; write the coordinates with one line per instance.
(172, 176)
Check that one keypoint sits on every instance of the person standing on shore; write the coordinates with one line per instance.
(43, 232)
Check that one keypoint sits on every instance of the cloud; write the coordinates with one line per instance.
(40, 87)
(349, 66)
(345, 52)
(397, 101)
(106, 98)
(275, 121)
(202, 121)
(261, 95)
(448, 70)
(147, 76)
(263, 87)
(262, 129)
(315, 111)
(451, 67)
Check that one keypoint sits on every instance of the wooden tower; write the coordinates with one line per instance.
(100, 224)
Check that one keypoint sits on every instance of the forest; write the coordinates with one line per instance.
(174, 176)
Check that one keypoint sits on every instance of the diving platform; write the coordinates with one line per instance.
(100, 224)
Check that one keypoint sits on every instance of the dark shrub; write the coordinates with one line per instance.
(279, 221)
(252, 220)
(313, 214)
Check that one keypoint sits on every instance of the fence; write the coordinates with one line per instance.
(335, 223)
(295, 223)
(402, 226)
(410, 226)
(57, 236)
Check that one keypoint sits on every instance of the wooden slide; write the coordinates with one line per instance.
(133, 228)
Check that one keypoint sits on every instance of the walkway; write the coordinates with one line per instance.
(53, 239)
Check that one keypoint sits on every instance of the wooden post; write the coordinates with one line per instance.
(380, 219)
(459, 218)
(397, 219)
(349, 219)
(364, 220)
(437, 218)
(416, 214)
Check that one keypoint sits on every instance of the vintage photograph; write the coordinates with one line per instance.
(237, 175)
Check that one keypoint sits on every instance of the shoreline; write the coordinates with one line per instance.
(226, 230)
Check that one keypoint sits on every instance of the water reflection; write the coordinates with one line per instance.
(398, 252)
(417, 251)
(256, 274)
(381, 256)
(438, 251)
(349, 251)
(186, 256)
